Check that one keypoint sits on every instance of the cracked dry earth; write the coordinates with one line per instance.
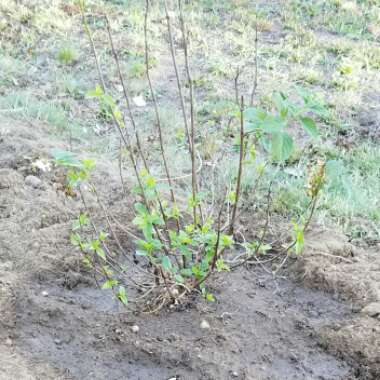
(321, 321)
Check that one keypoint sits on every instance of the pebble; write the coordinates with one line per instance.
(135, 329)
(235, 374)
(44, 293)
(139, 101)
(372, 309)
(8, 342)
(33, 181)
(205, 325)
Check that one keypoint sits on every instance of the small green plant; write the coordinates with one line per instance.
(137, 69)
(67, 56)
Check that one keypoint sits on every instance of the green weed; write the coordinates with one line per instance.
(67, 56)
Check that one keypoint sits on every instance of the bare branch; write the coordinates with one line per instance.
(157, 113)
(126, 93)
(254, 88)
(240, 170)
(194, 184)
(174, 60)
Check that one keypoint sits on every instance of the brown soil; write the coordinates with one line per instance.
(331, 264)
(55, 324)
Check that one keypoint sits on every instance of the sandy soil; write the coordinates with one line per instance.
(319, 321)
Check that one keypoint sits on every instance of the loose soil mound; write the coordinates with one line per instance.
(331, 264)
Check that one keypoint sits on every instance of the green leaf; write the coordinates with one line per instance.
(109, 284)
(226, 241)
(184, 238)
(94, 245)
(122, 296)
(87, 262)
(210, 297)
(231, 197)
(264, 248)
(207, 295)
(221, 266)
(75, 239)
(281, 103)
(298, 232)
(179, 278)
(136, 190)
(100, 252)
(252, 152)
(65, 158)
(83, 220)
(107, 271)
(190, 228)
(198, 273)
(186, 272)
(281, 146)
(96, 93)
(254, 114)
(141, 209)
(309, 126)
(88, 164)
(166, 263)
(273, 124)
(150, 182)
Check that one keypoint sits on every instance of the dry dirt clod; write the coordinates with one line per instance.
(135, 329)
(33, 181)
(44, 293)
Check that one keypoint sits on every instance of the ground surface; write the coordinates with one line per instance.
(55, 324)
(320, 319)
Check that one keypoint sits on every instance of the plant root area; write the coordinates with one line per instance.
(319, 320)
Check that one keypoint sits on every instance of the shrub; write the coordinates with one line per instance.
(179, 244)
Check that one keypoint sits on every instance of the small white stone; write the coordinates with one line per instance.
(44, 293)
(139, 101)
(205, 325)
(135, 329)
(8, 342)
